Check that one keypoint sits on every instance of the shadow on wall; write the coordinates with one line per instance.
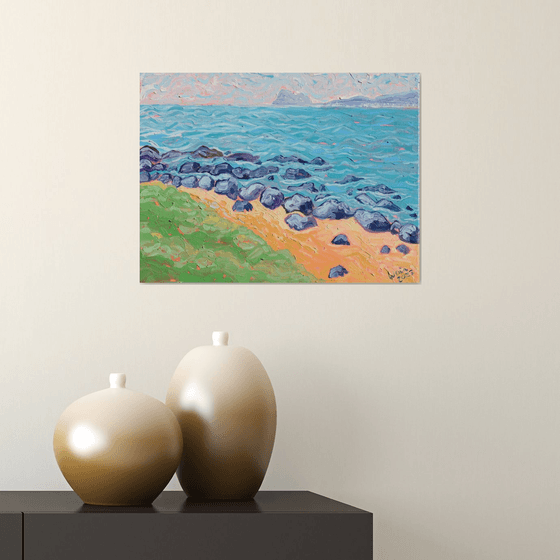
(327, 430)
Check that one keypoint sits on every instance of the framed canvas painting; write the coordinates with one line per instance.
(279, 178)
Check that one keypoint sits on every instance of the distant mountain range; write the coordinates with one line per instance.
(290, 99)
(287, 98)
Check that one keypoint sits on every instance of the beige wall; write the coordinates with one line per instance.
(434, 406)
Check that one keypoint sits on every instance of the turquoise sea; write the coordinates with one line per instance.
(372, 145)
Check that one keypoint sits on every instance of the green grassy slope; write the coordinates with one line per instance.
(182, 240)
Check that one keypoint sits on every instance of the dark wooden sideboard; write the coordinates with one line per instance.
(273, 526)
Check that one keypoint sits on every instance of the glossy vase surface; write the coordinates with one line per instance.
(118, 447)
(225, 404)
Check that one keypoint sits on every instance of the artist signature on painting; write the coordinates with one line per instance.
(400, 274)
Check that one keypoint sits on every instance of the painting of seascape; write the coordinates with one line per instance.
(279, 178)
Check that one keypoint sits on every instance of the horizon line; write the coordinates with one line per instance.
(318, 105)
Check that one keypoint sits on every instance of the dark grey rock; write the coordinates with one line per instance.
(228, 187)
(340, 239)
(259, 172)
(271, 178)
(189, 167)
(241, 172)
(221, 168)
(272, 198)
(288, 159)
(206, 152)
(145, 177)
(308, 187)
(165, 178)
(206, 183)
(262, 171)
(395, 227)
(372, 221)
(251, 192)
(294, 174)
(321, 197)
(385, 249)
(189, 182)
(409, 233)
(409, 208)
(145, 164)
(299, 223)
(382, 189)
(176, 182)
(243, 156)
(397, 197)
(337, 271)
(159, 166)
(150, 153)
(348, 179)
(318, 161)
(364, 198)
(299, 203)
(403, 249)
(387, 205)
(413, 215)
(242, 206)
(333, 209)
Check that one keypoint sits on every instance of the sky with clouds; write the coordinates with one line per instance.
(262, 89)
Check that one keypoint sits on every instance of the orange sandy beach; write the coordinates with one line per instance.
(312, 248)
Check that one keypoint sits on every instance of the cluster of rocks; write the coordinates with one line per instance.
(365, 197)
(302, 210)
(195, 174)
(400, 248)
(171, 168)
(152, 161)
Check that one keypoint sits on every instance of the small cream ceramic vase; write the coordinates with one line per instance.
(225, 404)
(117, 447)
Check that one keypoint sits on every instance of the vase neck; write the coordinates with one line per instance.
(220, 338)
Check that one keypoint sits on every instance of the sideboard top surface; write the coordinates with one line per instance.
(176, 502)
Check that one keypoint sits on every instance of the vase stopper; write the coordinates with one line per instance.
(220, 338)
(117, 381)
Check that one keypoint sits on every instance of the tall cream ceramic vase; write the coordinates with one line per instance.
(118, 447)
(225, 405)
